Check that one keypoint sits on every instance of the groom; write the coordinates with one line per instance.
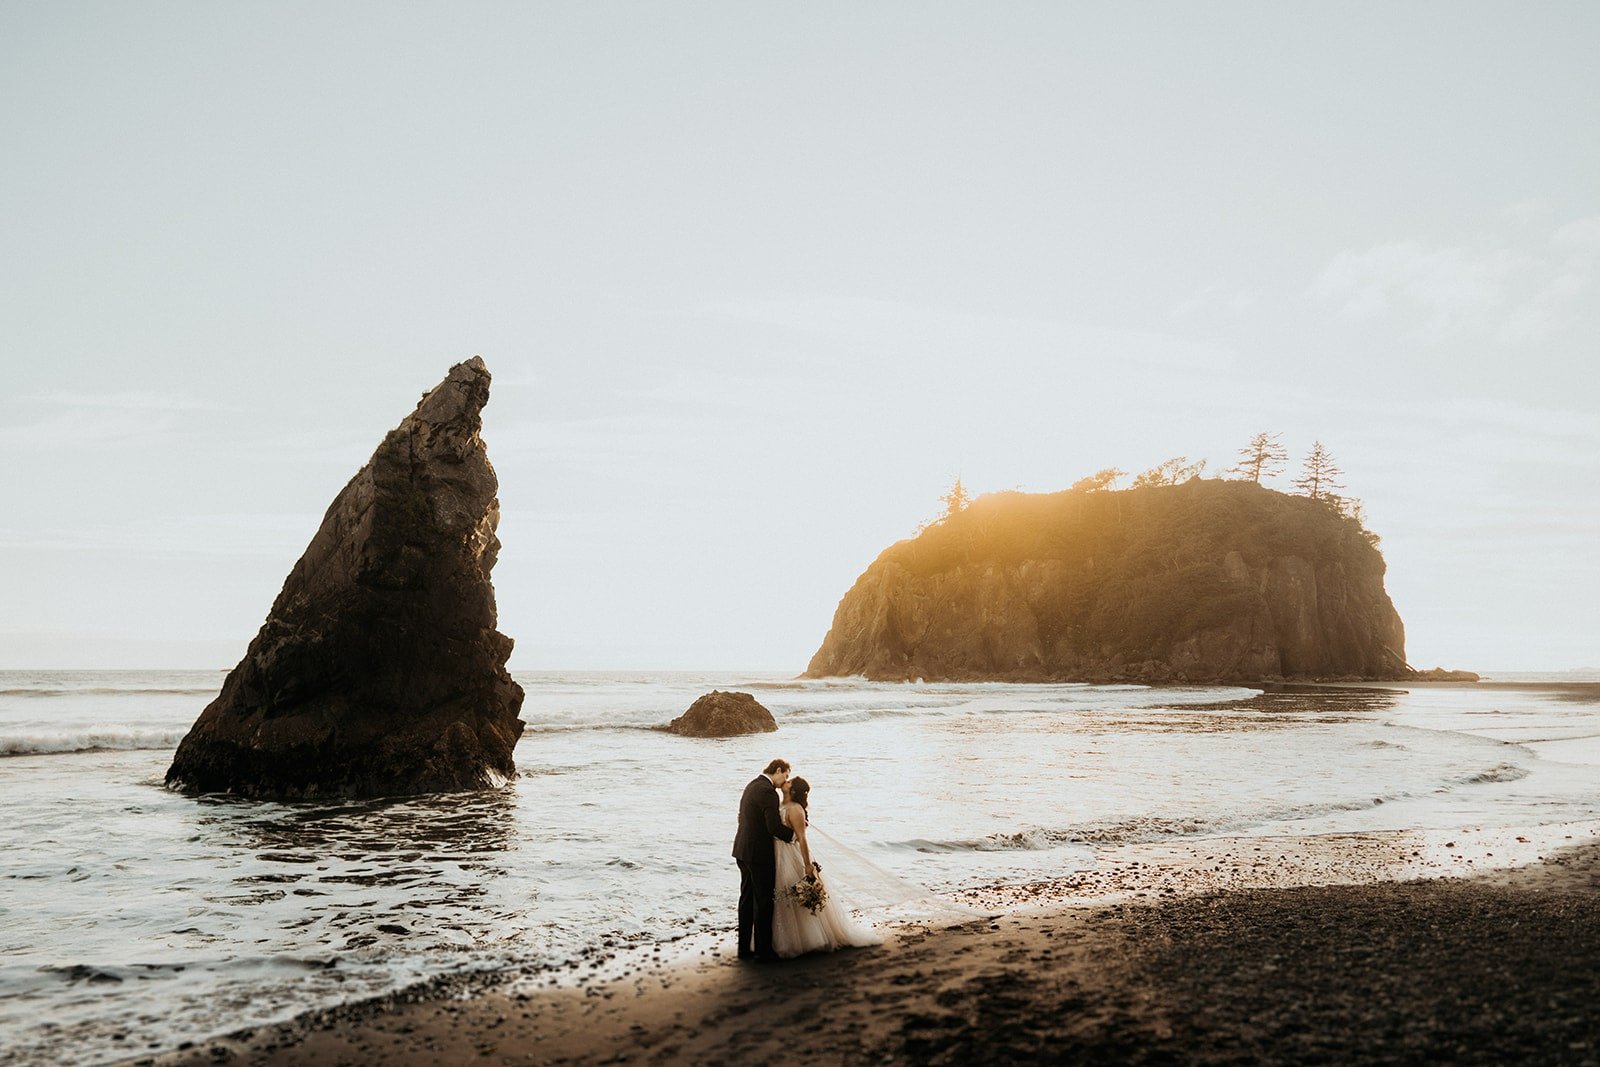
(752, 847)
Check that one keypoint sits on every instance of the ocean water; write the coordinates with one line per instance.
(132, 918)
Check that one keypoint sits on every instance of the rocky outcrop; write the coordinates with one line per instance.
(719, 714)
(379, 669)
(1205, 581)
(1440, 674)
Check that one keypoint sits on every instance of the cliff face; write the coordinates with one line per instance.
(1205, 581)
(379, 669)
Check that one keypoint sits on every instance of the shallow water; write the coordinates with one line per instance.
(133, 918)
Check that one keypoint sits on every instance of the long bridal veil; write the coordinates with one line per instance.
(864, 886)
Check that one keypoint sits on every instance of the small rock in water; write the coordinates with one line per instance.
(719, 714)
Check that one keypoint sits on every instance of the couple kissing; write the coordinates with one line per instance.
(786, 909)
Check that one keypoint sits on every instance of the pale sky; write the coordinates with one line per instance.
(757, 280)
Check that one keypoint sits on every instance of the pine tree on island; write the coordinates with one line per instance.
(1319, 476)
(1263, 457)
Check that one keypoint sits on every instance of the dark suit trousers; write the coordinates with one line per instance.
(756, 890)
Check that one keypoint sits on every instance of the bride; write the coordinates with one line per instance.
(795, 929)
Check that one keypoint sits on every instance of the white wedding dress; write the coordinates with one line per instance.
(795, 930)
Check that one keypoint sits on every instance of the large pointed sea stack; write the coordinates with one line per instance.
(1214, 581)
(379, 670)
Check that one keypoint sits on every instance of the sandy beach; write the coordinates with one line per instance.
(1123, 463)
(1215, 952)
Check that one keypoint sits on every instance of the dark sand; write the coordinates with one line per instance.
(1501, 968)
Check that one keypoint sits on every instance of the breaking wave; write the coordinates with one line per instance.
(88, 739)
(1502, 772)
(1022, 841)
(103, 690)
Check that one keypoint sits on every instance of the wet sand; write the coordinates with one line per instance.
(1251, 958)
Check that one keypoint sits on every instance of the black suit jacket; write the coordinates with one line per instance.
(759, 823)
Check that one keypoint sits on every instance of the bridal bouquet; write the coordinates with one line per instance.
(809, 894)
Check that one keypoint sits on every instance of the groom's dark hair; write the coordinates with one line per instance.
(777, 765)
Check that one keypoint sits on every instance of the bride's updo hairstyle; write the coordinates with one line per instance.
(799, 789)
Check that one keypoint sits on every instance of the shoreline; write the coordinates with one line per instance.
(1344, 948)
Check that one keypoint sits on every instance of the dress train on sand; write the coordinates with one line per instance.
(795, 930)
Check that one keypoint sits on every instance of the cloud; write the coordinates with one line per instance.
(1582, 233)
(1548, 309)
(1506, 295)
(1449, 286)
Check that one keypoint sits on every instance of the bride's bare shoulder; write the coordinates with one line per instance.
(794, 813)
